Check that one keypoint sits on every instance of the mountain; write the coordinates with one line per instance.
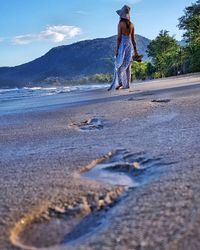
(68, 62)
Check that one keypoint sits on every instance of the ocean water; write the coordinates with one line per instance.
(17, 100)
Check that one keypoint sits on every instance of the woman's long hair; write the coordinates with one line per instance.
(128, 23)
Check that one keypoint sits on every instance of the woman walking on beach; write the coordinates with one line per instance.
(126, 45)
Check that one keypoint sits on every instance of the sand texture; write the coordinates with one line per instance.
(117, 170)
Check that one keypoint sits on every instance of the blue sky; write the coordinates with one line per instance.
(29, 28)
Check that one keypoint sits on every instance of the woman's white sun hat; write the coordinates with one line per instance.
(124, 12)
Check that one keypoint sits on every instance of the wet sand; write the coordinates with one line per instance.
(45, 154)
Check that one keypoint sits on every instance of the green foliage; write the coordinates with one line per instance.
(150, 69)
(101, 78)
(165, 54)
(141, 70)
(194, 57)
(190, 23)
(157, 75)
(161, 44)
(97, 78)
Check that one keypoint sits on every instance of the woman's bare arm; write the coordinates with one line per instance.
(134, 40)
(119, 34)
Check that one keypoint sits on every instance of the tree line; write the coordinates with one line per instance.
(170, 58)
(167, 56)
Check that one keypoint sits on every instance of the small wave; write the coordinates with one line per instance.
(54, 91)
(50, 88)
(93, 86)
(32, 88)
(39, 91)
(48, 94)
(8, 90)
(18, 99)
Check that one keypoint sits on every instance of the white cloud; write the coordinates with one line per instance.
(81, 12)
(54, 34)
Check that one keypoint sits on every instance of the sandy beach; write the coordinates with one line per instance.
(53, 162)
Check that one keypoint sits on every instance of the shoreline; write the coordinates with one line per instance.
(42, 151)
(62, 100)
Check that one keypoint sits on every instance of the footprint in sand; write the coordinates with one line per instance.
(57, 227)
(147, 93)
(88, 125)
(124, 168)
(161, 100)
(135, 99)
(62, 227)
